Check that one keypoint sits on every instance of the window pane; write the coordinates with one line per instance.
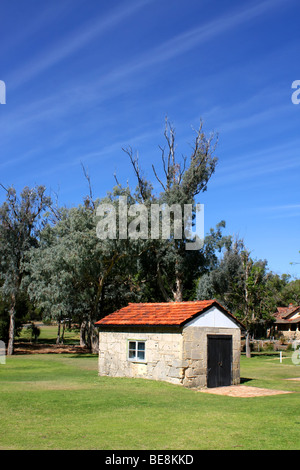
(141, 346)
(141, 355)
(132, 345)
(131, 354)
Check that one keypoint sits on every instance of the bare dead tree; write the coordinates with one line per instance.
(145, 188)
(194, 178)
(181, 181)
(89, 200)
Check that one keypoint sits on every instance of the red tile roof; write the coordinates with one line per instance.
(283, 313)
(161, 313)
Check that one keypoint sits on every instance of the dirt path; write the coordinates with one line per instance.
(243, 391)
(28, 348)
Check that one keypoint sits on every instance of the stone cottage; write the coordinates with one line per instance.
(195, 344)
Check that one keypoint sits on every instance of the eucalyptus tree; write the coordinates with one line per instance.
(21, 219)
(73, 274)
(223, 281)
(245, 286)
(168, 262)
(290, 292)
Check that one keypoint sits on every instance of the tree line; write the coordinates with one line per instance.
(53, 265)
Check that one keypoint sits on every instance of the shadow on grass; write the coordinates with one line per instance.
(48, 341)
(263, 354)
(83, 355)
(244, 380)
(49, 348)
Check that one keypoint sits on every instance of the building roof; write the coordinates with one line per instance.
(283, 314)
(160, 314)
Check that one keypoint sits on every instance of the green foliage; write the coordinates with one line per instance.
(244, 286)
(25, 312)
(165, 266)
(35, 332)
(290, 293)
(73, 274)
(20, 224)
(21, 219)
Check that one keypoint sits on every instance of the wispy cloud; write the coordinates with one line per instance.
(112, 82)
(266, 161)
(170, 49)
(280, 211)
(201, 34)
(74, 42)
(254, 119)
(280, 207)
(71, 96)
(43, 19)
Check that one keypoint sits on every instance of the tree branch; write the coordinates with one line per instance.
(90, 198)
(158, 178)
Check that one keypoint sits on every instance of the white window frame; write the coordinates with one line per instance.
(136, 349)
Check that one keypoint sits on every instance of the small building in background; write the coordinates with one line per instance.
(195, 344)
(287, 322)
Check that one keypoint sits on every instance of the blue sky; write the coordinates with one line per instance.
(86, 78)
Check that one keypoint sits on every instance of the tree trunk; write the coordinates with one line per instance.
(11, 335)
(178, 293)
(248, 349)
(83, 334)
(62, 338)
(92, 337)
(160, 283)
(247, 313)
(95, 341)
(58, 333)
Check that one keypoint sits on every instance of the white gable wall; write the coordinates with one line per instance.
(213, 318)
(295, 315)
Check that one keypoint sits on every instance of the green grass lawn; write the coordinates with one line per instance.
(55, 401)
(48, 334)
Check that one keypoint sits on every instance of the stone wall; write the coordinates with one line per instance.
(290, 335)
(163, 354)
(179, 357)
(195, 354)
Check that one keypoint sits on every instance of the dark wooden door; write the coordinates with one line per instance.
(219, 360)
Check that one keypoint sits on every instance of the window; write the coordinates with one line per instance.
(136, 351)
